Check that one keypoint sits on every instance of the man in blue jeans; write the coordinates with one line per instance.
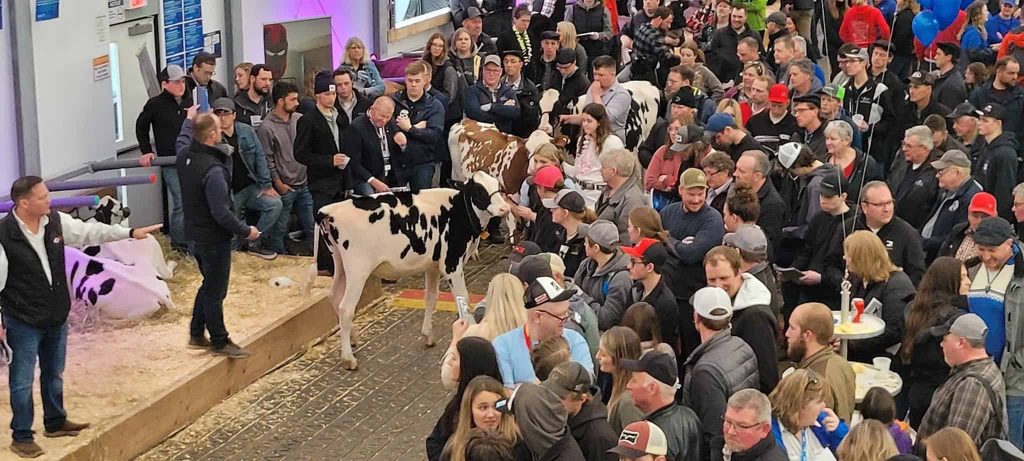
(420, 121)
(35, 302)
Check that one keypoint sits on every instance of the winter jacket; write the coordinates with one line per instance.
(529, 107)
(206, 195)
(840, 394)
(368, 81)
(764, 273)
(773, 213)
(927, 368)
(315, 146)
(950, 209)
(874, 97)
(949, 89)
(894, 295)
(765, 450)
(584, 320)
(903, 243)
(755, 13)
(996, 170)
(1012, 99)
(421, 141)
(865, 169)
(682, 431)
(252, 113)
(721, 54)
(717, 369)
(214, 90)
(830, 440)
(483, 105)
(863, 25)
(824, 243)
(769, 134)
(807, 203)
(754, 322)
(664, 303)
(955, 238)
(543, 424)
(903, 34)
(165, 115)
(915, 193)
(592, 432)
(607, 288)
(1012, 362)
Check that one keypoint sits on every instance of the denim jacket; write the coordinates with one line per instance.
(249, 150)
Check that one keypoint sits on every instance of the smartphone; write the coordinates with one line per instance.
(203, 99)
(463, 307)
(502, 405)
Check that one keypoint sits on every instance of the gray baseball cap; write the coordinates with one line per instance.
(968, 326)
(172, 73)
(492, 59)
(748, 238)
(223, 104)
(601, 232)
(953, 157)
(993, 231)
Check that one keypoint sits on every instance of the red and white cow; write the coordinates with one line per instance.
(476, 146)
(395, 235)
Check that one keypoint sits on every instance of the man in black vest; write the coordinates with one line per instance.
(210, 224)
(35, 302)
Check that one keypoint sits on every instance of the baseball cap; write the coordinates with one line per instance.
(567, 199)
(565, 56)
(569, 377)
(748, 238)
(778, 93)
(172, 73)
(223, 104)
(834, 184)
(788, 153)
(693, 177)
(967, 326)
(659, 365)
(685, 97)
(953, 157)
(1009, 2)
(531, 268)
(856, 53)
(519, 252)
(833, 90)
(922, 78)
(601, 232)
(993, 231)
(473, 12)
(778, 18)
(712, 303)
(983, 202)
(846, 48)
(813, 99)
(719, 122)
(883, 44)
(648, 250)
(543, 290)
(547, 176)
(492, 59)
(690, 134)
(962, 109)
(993, 110)
(641, 438)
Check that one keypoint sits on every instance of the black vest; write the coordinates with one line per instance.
(193, 164)
(585, 20)
(28, 296)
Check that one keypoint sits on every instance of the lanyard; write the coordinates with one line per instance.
(803, 446)
(526, 337)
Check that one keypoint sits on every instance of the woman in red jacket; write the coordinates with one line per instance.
(863, 24)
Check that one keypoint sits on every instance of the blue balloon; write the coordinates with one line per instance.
(927, 4)
(925, 27)
(946, 12)
(965, 3)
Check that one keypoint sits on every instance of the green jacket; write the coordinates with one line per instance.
(755, 12)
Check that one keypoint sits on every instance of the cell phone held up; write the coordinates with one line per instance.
(463, 307)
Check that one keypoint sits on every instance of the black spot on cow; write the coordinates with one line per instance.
(91, 251)
(93, 297)
(405, 251)
(107, 286)
(94, 267)
(376, 216)
(74, 270)
(405, 198)
(406, 225)
(433, 221)
(423, 221)
(344, 244)
(367, 203)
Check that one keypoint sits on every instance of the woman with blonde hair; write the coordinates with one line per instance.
(867, 441)
(567, 39)
(876, 280)
(951, 444)
(732, 107)
(973, 36)
(645, 222)
(368, 81)
(741, 91)
(478, 410)
(690, 55)
(617, 344)
(803, 427)
(505, 311)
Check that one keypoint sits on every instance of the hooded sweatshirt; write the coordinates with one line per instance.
(542, 423)
(809, 189)
(278, 138)
(608, 288)
(592, 432)
(996, 171)
(754, 322)
(862, 25)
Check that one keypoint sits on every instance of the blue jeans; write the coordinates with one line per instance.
(302, 201)
(1015, 418)
(50, 345)
(417, 177)
(214, 261)
(176, 215)
(268, 207)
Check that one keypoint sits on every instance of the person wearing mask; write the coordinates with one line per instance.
(965, 126)
(255, 104)
(808, 345)
(722, 48)
(641, 440)
(242, 78)
(949, 89)
(653, 386)
(803, 426)
(1003, 89)
(775, 126)
(490, 100)
(204, 66)
(588, 416)
(210, 225)
(856, 166)
(727, 136)
(621, 193)
(958, 191)
(647, 260)
(420, 121)
(870, 104)
(820, 282)
(519, 37)
(901, 240)
(474, 24)
(36, 302)
(811, 128)
(943, 295)
(960, 242)
(720, 366)
(369, 142)
(972, 398)
(604, 275)
(998, 25)
(526, 92)
(165, 113)
(996, 163)
(543, 422)
(752, 170)
(718, 168)
(920, 103)
(747, 428)
(914, 181)
(607, 92)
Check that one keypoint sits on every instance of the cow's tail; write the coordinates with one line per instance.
(455, 152)
(312, 271)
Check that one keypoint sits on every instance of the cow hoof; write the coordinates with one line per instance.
(428, 341)
(350, 364)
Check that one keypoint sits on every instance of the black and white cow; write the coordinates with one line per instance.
(394, 235)
(643, 111)
(115, 289)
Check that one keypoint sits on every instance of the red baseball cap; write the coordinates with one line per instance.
(778, 93)
(639, 439)
(649, 251)
(983, 202)
(548, 176)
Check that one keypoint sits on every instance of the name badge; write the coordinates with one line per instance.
(255, 120)
(888, 244)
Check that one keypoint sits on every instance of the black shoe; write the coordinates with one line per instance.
(260, 252)
(199, 342)
(231, 351)
(27, 449)
(69, 429)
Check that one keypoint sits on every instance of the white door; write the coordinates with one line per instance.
(133, 65)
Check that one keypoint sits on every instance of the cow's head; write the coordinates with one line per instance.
(484, 193)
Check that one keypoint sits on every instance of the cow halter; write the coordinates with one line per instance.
(478, 229)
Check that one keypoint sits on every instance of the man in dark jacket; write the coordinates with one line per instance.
(653, 388)
(526, 93)
(721, 365)
(747, 427)
(729, 137)
(588, 417)
(420, 119)
(914, 183)
(949, 86)
(958, 188)
(165, 112)
(349, 103)
(811, 127)
(920, 104)
(369, 143)
(721, 55)
(255, 104)
(647, 258)
(490, 100)
(752, 170)
(821, 282)
(573, 85)
(995, 167)
(201, 73)
(210, 224)
(870, 102)
(520, 36)
(960, 242)
(1003, 89)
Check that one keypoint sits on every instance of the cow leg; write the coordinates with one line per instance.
(346, 313)
(433, 279)
(338, 293)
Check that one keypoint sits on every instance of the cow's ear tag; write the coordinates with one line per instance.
(484, 234)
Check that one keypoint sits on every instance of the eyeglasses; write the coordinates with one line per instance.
(910, 146)
(881, 204)
(737, 426)
(562, 319)
(711, 172)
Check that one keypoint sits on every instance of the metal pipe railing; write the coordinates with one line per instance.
(63, 202)
(103, 165)
(101, 182)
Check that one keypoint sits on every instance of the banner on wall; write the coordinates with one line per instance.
(183, 31)
(47, 9)
(296, 50)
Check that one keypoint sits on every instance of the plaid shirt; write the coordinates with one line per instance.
(965, 401)
(649, 43)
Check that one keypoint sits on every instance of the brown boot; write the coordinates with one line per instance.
(69, 429)
(27, 449)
